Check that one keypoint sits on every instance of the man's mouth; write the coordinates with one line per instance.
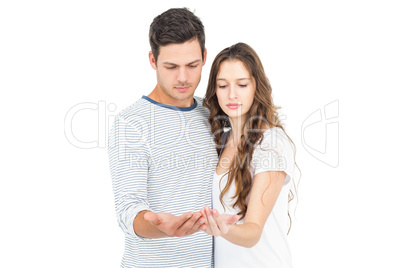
(182, 88)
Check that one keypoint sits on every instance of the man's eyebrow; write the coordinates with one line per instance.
(195, 61)
(171, 63)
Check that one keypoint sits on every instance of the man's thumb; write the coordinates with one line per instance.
(152, 217)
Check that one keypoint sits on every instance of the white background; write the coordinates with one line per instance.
(56, 199)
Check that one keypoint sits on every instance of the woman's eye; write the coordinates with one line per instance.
(243, 85)
(221, 86)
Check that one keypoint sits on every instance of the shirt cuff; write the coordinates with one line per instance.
(128, 225)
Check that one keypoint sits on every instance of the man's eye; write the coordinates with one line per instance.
(170, 67)
(193, 66)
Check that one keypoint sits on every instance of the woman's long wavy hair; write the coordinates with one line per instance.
(262, 114)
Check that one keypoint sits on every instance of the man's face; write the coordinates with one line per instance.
(178, 72)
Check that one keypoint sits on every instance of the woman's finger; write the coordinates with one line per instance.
(208, 228)
(223, 227)
(224, 221)
(212, 223)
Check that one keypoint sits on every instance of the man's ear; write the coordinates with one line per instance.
(205, 56)
(152, 60)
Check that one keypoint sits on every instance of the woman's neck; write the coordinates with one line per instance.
(237, 129)
(237, 125)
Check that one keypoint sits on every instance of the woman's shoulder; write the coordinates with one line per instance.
(274, 137)
(274, 142)
(274, 152)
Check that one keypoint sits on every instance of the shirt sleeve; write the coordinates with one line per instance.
(275, 153)
(128, 161)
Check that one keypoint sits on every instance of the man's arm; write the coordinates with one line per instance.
(129, 159)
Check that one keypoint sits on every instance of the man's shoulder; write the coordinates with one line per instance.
(199, 100)
(134, 111)
(200, 108)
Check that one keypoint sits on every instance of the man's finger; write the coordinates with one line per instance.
(204, 217)
(198, 225)
(203, 227)
(182, 219)
(187, 227)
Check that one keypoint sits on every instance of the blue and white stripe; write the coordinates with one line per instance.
(162, 158)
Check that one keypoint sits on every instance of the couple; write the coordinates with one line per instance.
(184, 188)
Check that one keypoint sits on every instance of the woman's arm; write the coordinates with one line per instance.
(264, 193)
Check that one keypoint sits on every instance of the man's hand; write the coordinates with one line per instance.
(178, 226)
(217, 224)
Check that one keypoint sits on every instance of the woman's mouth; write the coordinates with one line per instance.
(233, 105)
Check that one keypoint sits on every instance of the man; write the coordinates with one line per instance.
(162, 156)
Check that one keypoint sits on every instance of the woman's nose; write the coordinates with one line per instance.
(232, 93)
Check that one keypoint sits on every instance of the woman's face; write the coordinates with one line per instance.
(235, 88)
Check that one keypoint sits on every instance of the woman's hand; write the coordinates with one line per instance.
(218, 225)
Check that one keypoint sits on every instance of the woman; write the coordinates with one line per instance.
(255, 170)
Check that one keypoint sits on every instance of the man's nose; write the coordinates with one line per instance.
(182, 76)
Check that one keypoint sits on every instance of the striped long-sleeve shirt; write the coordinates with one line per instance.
(162, 158)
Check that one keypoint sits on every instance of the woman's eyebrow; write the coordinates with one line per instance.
(245, 78)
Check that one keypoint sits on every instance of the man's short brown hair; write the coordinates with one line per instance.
(175, 26)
